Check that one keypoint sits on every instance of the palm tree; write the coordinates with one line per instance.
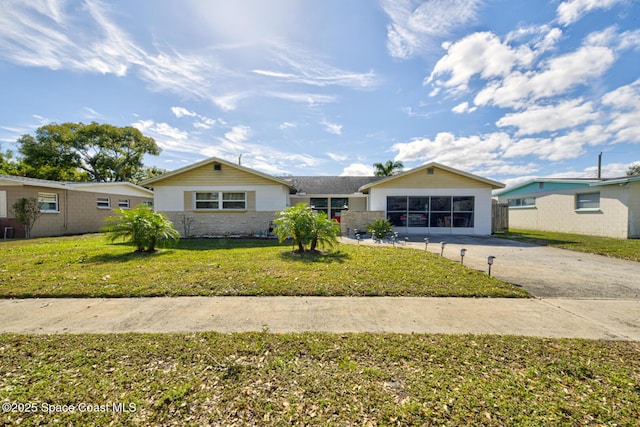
(388, 169)
(324, 231)
(144, 227)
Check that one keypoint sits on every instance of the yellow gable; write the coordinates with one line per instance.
(431, 177)
(208, 175)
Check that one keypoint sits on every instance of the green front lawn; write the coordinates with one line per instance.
(87, 266)
(318, 379)
(616, 248)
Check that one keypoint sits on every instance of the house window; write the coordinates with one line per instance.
(103, 203)
(48, 202)
(397, 210)
(435, 212)
(3, 204)
(320, 204)
(123, 204)
(218, 200)
(463, 211)
(207, 200)
(337, 206)
(588, 201)
(234, 201)
(525, 202)
(147, 203)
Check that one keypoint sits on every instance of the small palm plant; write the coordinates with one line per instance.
(380, 228)
(144, 227)
(306, 227)
(324, 231)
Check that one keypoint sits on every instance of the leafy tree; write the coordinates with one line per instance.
(27, 212)
(634, 170)
(80, 152)
(380, 227)
(147, 172)
(306, 227)
(7, 165)
(144, 227)
(388, 169)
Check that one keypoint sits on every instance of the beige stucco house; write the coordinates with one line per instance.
(67, 207)
(599, 207)
(216, 197)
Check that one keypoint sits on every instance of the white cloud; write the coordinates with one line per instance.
(238, 134)
(337, 157)
(463, 108)
(480, 54)
(572, 10)
(537, 119)
(568, 146)
(167, 136)
(415, 25)
(202, 122)
(558, 76)
(624, 120)
(333, 128)
(287, 125)
(357, 169)
(311, 99)
(182, 112)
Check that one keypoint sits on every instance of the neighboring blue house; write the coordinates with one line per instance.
(599, 207)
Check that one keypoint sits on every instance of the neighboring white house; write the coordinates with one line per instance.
(599, 207)
(216, 197)
(67, 207)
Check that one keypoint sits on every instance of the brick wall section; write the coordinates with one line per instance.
(221, 223)
(78, 211)
(357, 219)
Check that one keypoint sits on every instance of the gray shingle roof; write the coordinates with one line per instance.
(330, 184)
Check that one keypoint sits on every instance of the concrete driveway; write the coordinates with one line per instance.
(544, 271)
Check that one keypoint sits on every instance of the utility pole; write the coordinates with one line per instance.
(600, 165)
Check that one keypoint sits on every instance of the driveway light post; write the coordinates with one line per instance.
(490, 262)
(406, 241)
(358, 238)
(442, 245)
(426, 243)
(463, 252)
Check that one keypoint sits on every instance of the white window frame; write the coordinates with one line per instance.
(3, 204)
(580, 203)
(147, 203)
(55, 202)
(220, 199)
(124, 204)
(103, 203)
(522, 203)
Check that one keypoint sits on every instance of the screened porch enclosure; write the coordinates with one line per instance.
(431, 213)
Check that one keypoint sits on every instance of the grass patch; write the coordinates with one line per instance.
(628, 249)
(321, 379)
(86, 266)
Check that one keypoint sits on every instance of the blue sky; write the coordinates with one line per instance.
(502, 88)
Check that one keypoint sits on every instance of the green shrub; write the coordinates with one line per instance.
(380, 228)
(306, 227)
(144, 227)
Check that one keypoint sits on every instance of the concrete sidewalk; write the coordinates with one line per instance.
(592, 319)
